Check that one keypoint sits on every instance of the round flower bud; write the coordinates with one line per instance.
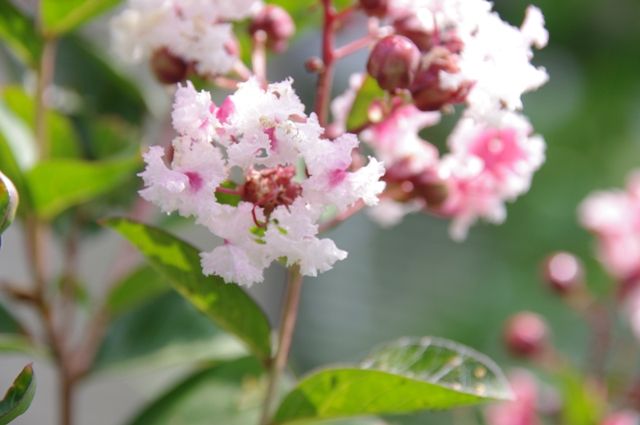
(314, 64)
(426, 90)
(167, 67)
(411, 27)
(525, 334)
(563, 272)
(393, 62)
(276, 24)
(8, 202)
(377, 8)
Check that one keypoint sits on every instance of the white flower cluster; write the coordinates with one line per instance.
(259, 147)
(199, 32)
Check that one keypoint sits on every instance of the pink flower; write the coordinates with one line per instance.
(260, 147)
(622, 417)
(614, 218)
(492, 161)
(522, 410)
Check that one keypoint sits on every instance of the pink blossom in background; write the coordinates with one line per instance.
(520, 411)
(254, 143)
(614, 218)
(492, 160)
(622, 417)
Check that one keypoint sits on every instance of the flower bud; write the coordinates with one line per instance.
(276, 24)
(525, 334)
(563, 272)
(377, 8)
(393, 62)
(8, 202)
(433, 192)
(411, 27)
(426, 90)
(167, 67)
(314, 64)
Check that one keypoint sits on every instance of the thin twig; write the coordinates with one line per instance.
(287, 326)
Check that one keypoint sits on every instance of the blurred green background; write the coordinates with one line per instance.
(412, 279)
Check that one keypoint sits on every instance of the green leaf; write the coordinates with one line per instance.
(20, 345)
(359, 113)
(58, 184)
(18, 398)
(228, 393)
(185, 337)
(80, 68)
(226, 304)
(135, 289)
(583, 402)
(60, 16)
(60, 133)
(18, 32)
(405, 376)
(8, 202)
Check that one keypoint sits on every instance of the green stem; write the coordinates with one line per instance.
(287, 326)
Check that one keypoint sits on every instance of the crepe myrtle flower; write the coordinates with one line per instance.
(181, 36)
(613, 216)
(278, 173)
(469, 54)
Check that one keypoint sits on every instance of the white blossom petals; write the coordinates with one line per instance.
(232, 264)
(253, 144)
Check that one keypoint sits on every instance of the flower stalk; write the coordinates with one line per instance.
(287, 327)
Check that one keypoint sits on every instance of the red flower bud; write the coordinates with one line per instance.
(314, 64)
(426, 90)
(393, 62)
(167, 67)
(377, 8)
(563, 272)
(525, 334)
(276, 24)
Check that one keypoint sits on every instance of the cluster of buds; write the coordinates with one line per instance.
(182, 38)
(454, 53)
(436, 55)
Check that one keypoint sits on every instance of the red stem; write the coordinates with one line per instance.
(325, 78)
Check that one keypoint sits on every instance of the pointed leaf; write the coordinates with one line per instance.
(185, 337)
(228, 393)
(8, 202)
(406, 376)
(56, 185)
(81, 68)
(359, 114)
(18, 32)
(226, 304)
(135, 289)
(19, 396)
(60, 16)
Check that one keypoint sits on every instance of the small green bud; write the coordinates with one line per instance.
(8, 202)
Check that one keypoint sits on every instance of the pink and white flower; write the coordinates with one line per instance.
(483, 59)
(492, 161)
(614, 217)
(198, 32)
(520, 411)
(260, 147)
